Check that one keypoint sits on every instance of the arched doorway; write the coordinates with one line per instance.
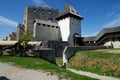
(77, 40)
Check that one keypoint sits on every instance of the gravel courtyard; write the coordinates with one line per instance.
(9, 72)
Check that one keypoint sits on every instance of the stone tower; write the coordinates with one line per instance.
(42, 13)
(69, 21)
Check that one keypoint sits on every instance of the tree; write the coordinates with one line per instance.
(24, 39)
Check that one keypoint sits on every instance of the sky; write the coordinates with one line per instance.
(97, 14)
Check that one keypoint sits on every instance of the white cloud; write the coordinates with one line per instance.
(40, 3)
(111, 14)
(115, 22)
(8, 21)
(114, 11)
(88, 35)
(114, 17)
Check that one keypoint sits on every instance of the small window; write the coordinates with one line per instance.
(52, 26)
(43, 24)
(34, 10)
(48, 25)
(38, 23)
(24, 21)
(73, 11)
(77, 13)
(57, 27)
(50, 20)
(49, 12)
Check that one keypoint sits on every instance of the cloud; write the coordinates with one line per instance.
(114, 17)
(114, 11)
(8, 21)
(115, 7)
(113, 23)
(40, 3)
(110, 14)
(88, 35)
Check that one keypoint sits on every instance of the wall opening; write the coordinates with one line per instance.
(50, 20)
(77, 40)
(34, 10)
(49, 12)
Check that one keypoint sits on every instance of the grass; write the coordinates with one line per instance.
(97, 62)
(40, 64)
(59, 61)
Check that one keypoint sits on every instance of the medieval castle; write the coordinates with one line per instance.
(52, 27)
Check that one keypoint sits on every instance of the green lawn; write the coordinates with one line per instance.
(40, 64)
(97, 62)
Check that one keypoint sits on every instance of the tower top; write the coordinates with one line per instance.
(67, 11)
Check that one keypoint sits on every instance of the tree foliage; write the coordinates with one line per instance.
(25, 38)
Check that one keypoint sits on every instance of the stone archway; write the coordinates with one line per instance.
(76, 39)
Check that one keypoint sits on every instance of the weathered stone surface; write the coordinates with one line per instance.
(20, 30)
(32, 13)
(45, 31)
(57, 46)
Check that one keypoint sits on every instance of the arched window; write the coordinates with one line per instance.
(49, 12)
(34, 10)
(50, 20)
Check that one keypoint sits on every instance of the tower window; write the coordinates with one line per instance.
(34, 10)
(50, 20)
(38, 23)
(57, 27)
(49, 12)
(52, 26)
(77, 13)
(44, 25)
(48, 25)
(73, 11)
(24, 21)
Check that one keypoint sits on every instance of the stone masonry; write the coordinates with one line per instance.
(32, 13)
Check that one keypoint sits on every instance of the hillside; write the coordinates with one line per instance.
(100, 62)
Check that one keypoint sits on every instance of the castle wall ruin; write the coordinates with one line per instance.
(32, 13)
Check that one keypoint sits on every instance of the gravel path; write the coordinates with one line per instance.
(92, 75)
(9, 72)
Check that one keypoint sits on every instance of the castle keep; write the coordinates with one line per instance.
(41, 23)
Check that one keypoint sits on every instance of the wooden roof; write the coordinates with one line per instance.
(102, 33)
(68, 10)
(107, 30)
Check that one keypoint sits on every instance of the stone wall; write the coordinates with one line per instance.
(45, 31)
(11, 37)
(32, 13)
(20, 30)
(57, 46)
(8, 52)
(70, 51)
(47, 54)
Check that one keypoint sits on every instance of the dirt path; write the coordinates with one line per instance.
(92, 75)
(9, 72)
